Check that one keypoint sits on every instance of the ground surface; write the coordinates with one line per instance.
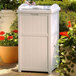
(12, 70)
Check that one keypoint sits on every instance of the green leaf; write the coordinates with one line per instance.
(72, 71)
(63, 60)
(74, 60)
(68, 69)
(66, 74)
(62, 74)
(65, 69)
(72, 65)
(57, 61)
(57, 51)
(69, 57)
(57, 70)
(62, 53)
(61, 63)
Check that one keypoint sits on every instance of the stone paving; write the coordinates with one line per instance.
(12, 70)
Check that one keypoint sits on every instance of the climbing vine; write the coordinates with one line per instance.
(67, 44)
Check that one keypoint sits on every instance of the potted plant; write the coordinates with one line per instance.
(9, 46)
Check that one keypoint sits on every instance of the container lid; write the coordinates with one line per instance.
(38, 9)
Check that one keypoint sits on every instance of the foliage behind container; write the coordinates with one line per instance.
(10, 4)
(65, 17)
(72, 7)
(63, 5)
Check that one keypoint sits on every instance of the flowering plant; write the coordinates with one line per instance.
(67, 43)
(9, 39)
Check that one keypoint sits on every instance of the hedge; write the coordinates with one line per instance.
(65, 17)
(64, 5)
(72, 7)
(10, 4)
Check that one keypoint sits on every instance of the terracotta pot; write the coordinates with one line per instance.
(9, 54)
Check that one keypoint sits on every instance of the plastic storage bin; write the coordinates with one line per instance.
(38, 28)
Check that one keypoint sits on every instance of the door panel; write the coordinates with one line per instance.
(33, 25)
(34, 53)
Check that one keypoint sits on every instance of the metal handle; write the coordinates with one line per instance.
(35, 14)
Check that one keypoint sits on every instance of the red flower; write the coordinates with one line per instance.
(64, 34)
(2, 37)
(2, 32)
(69, 24)
(16, 31)
(10, 37)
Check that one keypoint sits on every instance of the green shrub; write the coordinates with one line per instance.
(63, 5)
(73, 6)
(1, 6)
(65, 17)
(63, 21)
(10, 4)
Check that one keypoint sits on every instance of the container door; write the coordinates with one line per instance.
(33, 42)
(33, 24)
(34, 53)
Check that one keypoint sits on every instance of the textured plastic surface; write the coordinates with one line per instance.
(38, 8)
(38, 37)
